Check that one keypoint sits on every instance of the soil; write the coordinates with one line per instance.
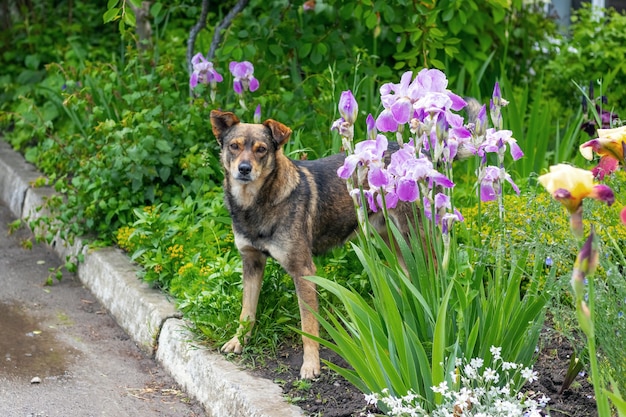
(333, 396)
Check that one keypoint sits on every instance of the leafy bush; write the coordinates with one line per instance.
(126, 143)
(594, 52)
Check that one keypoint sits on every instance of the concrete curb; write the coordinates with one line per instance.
(148, 317)
(230, 391)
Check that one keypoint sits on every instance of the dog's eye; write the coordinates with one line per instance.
(233, 147)
(261, 149)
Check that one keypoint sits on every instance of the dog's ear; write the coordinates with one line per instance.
(222, 120)
(280, 132)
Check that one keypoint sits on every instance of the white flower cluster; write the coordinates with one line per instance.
(483, 391)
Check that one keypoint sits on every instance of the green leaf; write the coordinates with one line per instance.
(129, 17)
(163, 145)
(438, 33)
(321, 48)
(304, 50)
(447, 15)
(618, 402)
(439, 339)
(166, 160)
(371, 20)
(155, 9)
(164, 173)
(32, 61)
(316, 58)
(110, 15)
(276, 50)
(70, 266)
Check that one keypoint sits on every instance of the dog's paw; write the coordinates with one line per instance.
(232, 346)
(310, 370)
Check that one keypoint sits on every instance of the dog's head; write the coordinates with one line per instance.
(248, 150)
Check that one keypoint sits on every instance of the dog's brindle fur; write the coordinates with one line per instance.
(289, 210)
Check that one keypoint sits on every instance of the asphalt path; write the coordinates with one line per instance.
(61, 353)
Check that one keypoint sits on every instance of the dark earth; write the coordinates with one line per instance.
(333, 396)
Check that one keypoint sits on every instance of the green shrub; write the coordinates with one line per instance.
(125, 142)
(595, 51)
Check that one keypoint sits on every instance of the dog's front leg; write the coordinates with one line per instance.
(253, 267)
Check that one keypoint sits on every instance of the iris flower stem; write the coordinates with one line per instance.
(388, 225)
(602, 403)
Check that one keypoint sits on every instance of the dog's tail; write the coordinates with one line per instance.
(472, 109)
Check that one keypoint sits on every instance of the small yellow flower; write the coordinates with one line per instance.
(175, 251)
(123, 238)
(185, 268)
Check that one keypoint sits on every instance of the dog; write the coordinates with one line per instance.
(286, 209)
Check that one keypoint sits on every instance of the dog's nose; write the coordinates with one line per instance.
(245, 168)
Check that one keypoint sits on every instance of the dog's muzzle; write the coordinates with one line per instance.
(245, 168)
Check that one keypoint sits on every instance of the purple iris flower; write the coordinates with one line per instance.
(481, 121)
(348, 107)
(459, 138)
(386, 122)
(243, 73)
(496, 141)
(369, 153)
(399, 105)
(441, 202)
(391, 198)
(433, 103)
(426, 94)
(448, 220)
(203, 72)
(257, 114)
(435, 81)
(370, 122)
(497, 94)
(490, 179)
(344, 129)
(409, 170)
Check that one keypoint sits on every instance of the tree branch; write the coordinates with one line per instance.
(225, 23)
(217, 36)
(193, 33)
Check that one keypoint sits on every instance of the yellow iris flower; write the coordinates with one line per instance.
(570, 185)
(610, 146)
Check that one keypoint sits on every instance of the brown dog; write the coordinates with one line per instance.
(289, 210)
